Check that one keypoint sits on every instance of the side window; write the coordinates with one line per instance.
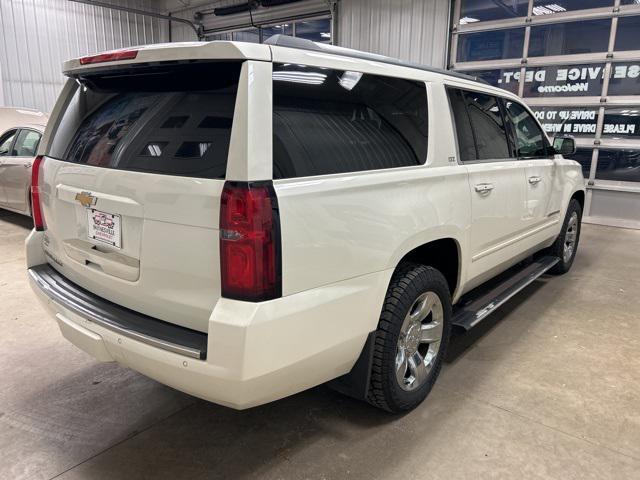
(464, 132)
(5, 143)
(530, 141)
(26, 144)
(332, 121)
(488, 125)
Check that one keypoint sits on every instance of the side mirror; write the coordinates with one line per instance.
(564, 145)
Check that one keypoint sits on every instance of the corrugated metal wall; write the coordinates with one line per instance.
(413, 30)
(36, 36)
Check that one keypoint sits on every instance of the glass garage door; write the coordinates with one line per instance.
(577, 64)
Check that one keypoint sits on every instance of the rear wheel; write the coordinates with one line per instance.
(412, 338)
(566, 244)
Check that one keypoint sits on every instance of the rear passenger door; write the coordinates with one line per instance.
(496, 180)
(533, 149)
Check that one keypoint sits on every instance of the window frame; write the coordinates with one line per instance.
(15, 136)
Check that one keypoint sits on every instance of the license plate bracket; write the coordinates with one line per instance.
(104, 227)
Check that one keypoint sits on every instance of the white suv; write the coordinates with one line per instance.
(243, 222)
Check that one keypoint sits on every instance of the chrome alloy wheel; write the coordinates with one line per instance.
(419, 341)
(570, 237)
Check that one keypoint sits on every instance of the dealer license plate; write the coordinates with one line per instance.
(104, 227)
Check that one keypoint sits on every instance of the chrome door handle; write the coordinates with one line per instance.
(484, 187)
(27, 165)
(535, 180)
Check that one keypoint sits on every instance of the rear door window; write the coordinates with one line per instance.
(173, 119)
(488, 125)
(480, 126)
(333, 121)
(464, 132)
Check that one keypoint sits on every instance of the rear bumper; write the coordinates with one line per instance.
(256, 352)
(120, 320)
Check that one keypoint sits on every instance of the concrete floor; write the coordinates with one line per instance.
(549, 387)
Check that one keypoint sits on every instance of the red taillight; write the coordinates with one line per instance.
(36, 206)
(109, 57)
(250, 242)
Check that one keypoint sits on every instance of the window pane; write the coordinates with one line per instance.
(629, 2)
(619, 165)
(26, 144)
(472, 11)
(491, 45)
(580, 122)
(564, 81)
(627, 33)
(583, 157)
(549, 7)
(488, 126)
(570, 38)
(250, 35)
(152, 121)
(621, 122)
(506, 78)
(315, 30)
(531, 142)
(466, 142)
(625, 79)
(5, 143)
(281, 29)
(331, 121)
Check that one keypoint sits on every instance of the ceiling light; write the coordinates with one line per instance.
(349, 79)
(548, 9)
(465, 20)
(310, 78)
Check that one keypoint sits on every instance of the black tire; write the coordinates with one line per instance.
(558, 247)
(409, 282)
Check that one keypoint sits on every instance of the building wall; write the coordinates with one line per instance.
(413, 30)
(36, 37)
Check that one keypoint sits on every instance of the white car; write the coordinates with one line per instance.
(243, 222)
(20, 133)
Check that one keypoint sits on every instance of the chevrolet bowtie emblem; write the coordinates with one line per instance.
(86, 199)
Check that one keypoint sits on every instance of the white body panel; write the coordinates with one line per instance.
(342, 237)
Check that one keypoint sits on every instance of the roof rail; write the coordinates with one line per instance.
(304, 44)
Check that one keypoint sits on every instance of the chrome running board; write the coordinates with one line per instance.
(479, 303)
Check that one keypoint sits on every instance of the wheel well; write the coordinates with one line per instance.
(579, 196)
(442, 255)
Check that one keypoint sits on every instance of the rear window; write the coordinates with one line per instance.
(167, 119)
(333, 121)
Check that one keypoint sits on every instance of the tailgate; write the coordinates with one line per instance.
(132, 183)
